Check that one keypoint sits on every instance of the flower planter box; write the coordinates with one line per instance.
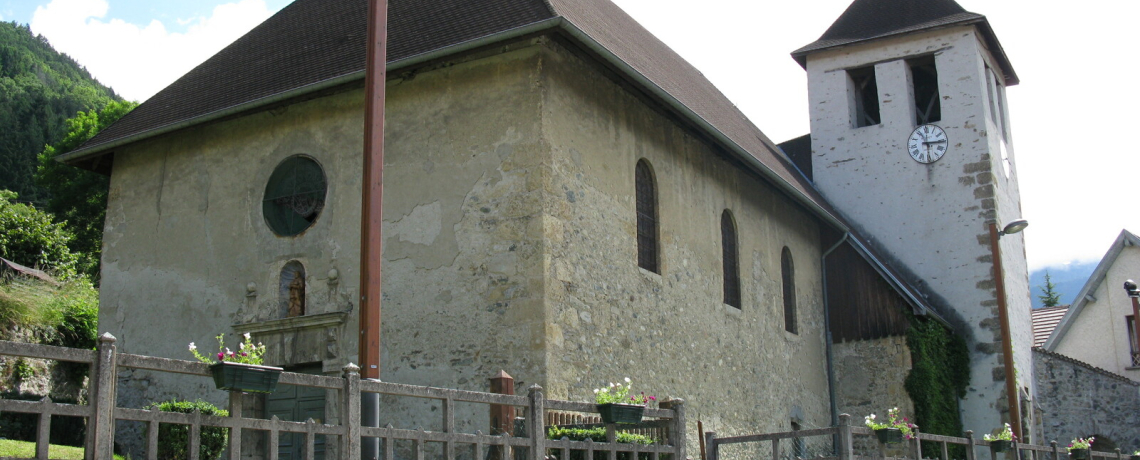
(1000, 445)
(245, 377)
(889, 435)
(1079, 454)
(1134, 457)
(621, 413)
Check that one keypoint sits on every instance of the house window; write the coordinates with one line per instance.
(788, 274)
(1134, 347)
(647, 256)
(294, 196)
(864, 93)
(924, 83)
(728, 256)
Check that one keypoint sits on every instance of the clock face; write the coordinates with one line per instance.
(927, 144)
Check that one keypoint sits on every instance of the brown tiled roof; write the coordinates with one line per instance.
(315, 41)
(867, 20)
(1044, 321)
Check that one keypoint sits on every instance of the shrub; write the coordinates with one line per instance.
(596, 434)
(173, 437)
(29, 237)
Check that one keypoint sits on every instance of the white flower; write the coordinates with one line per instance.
(627, 380)
(192, 347)
(595, 391)
(246, 335)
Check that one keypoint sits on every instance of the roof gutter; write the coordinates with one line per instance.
(392, 66)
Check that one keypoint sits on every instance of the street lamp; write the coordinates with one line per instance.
(1011, 394)
(1134, 293)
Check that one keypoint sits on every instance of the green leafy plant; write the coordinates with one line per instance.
(618, 393)
(893, 421)
(172, 437)
(1081, 443)
(596, 434)
(248, 352)
(29, 237)
(22, 370)
(1005, 435)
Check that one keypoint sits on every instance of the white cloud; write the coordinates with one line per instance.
(138, 61)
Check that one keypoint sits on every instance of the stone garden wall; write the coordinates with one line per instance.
(1075, 399)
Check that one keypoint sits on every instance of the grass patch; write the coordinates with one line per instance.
(24, 449)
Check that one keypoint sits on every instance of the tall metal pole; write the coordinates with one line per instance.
(1012, 395)
(371, 216)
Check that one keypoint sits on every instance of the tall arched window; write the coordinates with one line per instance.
(647, 256)
(788, 273)
(728, 256)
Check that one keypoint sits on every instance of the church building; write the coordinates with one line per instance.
(567, 199)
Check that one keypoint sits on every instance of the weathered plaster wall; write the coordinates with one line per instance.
(188, 255)
(1099, 334)
(931, 218)
(870, 375)
(1078, 400)
(738, 369)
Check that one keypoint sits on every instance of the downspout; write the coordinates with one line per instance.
(827, 333)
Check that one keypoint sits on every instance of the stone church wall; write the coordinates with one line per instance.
(870, 377)
(738, 369)
(1075, 399)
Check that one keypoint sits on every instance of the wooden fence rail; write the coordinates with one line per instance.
(529, 443)
(846, 447)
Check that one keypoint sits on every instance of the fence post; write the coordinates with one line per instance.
(846, 440)
(235, 432)
(101, 427)
(1056, 452)
(502, 416)
(677, 427)
(536, 423)
(350, 443)
(917, 445)
(970, 452)
(711, 445)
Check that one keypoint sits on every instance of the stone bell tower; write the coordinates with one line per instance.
(910, 140)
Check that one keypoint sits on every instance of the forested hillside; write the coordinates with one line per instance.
(39, 90)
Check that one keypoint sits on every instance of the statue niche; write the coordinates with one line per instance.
(292, 290)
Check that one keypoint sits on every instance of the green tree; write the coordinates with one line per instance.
(79, 197)
(28, 236)
(39, 89)
(1049, 296)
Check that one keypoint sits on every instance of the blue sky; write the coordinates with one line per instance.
(170, 12)
(1075, 171)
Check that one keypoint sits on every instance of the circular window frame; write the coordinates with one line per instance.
(283, 226)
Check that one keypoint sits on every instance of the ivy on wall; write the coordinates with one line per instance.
(939, 375)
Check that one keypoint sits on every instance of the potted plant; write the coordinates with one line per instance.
(1001, 441)
(893, 430)
(1079, 448)
(1135, 456)
(616, 405)
(240, 370)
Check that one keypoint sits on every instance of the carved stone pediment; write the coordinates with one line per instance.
(299, 340)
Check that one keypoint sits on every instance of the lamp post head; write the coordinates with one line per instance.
(1015, 226)
(1130, 287)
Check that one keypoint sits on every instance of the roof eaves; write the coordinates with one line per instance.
(991, 41)
(919, 305)
(1126, 238)
(84, 153)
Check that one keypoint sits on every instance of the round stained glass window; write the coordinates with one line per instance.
(294, 196)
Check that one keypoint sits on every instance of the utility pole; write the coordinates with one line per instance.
(372, 217)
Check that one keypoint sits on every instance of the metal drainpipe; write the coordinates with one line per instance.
(827, 333)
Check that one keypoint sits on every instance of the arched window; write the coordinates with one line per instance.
(788, 273)
(647, 256)
(728, 256)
